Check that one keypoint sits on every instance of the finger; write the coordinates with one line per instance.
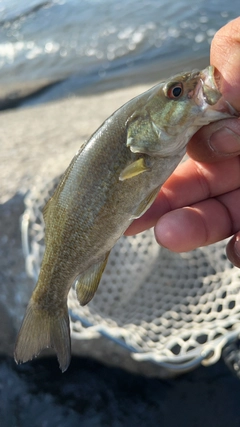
(190, 183)
(233, 249)
(225, 56)
(201, 224)
(215, 142)
(222, 138)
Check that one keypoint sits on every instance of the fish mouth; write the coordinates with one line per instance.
(209, 94)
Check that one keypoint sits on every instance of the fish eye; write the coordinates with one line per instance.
(175, 91)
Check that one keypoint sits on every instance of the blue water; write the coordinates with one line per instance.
(91, 39)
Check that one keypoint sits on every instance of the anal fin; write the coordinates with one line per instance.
(146, 203)
(87, 283)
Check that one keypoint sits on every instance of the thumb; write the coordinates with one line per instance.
(225, 56)
(222, 139)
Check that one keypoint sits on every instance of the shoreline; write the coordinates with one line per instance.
(43, 138)
(31, 93)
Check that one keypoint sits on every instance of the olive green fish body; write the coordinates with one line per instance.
(92, 207)
(111, 181)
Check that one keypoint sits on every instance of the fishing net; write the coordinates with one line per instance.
(172, 310)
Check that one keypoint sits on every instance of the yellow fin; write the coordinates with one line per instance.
(146, 203)
(133, 169)
(40, 330)
(87, 283)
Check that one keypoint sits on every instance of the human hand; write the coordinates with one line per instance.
(200, 203)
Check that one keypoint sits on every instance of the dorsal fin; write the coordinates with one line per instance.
(45, 209)
(62, 181)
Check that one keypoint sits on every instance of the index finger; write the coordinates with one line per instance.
(200, 181)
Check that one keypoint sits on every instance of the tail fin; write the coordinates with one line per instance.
(39, 330)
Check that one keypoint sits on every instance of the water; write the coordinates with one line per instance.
(92, 40)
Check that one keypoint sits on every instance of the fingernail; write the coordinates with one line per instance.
(237, 246)
(225, 141)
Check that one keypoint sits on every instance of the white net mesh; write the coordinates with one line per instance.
(177, 310)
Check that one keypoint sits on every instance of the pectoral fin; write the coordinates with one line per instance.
(87, 284)
(133, 169)
(146, 203)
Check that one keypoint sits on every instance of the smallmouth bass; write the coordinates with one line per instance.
(112, 180)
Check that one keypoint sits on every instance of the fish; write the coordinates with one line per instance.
(112, 180)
